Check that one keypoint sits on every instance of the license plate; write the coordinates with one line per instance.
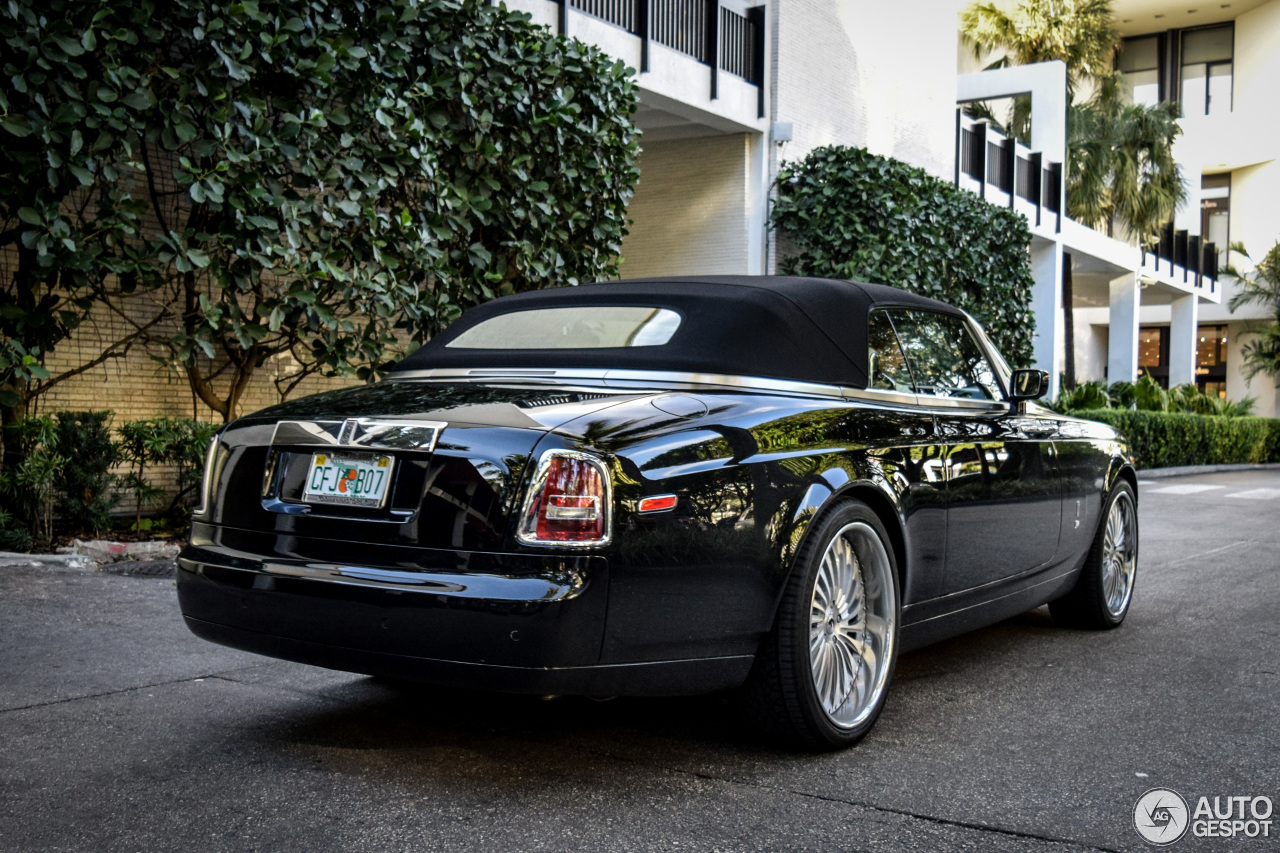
(351, 479)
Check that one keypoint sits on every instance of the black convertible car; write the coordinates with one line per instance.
(661, 487)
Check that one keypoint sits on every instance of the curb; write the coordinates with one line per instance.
(73, 561)
(143, 568)
(1187, 470)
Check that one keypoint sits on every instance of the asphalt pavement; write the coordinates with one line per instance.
(121, 731)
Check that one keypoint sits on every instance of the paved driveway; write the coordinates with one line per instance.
(120, 731)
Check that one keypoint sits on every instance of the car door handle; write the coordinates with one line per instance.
(1040, 430)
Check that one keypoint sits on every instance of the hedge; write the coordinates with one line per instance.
(855, 215)
(1167, 439)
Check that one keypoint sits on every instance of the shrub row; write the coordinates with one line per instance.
(66, 468)
(1167, 439)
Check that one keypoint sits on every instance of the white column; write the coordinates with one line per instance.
(1046, 306)
(1184, 336)
(757, 201)
(1122, 329)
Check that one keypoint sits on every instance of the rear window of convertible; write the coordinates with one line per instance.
(579, 327)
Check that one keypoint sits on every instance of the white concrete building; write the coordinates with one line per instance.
(729, 89)
(1222, 63)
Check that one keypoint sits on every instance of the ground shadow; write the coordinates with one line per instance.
(421, 724)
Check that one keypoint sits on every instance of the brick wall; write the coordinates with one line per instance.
(690, 209)
(138, 386)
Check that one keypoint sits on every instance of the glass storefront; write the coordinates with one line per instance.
(1211, 357)
(1211, 360)
(1153, 353)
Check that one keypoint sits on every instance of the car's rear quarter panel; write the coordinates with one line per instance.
(750, 473)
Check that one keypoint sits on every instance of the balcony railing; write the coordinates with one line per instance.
(724, 37)
(1000, 163)
(1186, 256)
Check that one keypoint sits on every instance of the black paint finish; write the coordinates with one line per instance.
(678, 602)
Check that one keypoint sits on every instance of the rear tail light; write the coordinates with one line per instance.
(568, 502)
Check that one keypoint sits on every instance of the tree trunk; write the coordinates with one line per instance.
(1068, 325)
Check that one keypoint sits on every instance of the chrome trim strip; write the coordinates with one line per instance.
(613, 378)
(361, 433)
(306, 433)
(667, 380)
(488, 587)
(975, 406)
(881, 396)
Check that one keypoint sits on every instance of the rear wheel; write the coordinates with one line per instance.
(1102, 595)
(821, 675)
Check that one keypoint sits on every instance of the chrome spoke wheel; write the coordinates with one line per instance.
(1119, 554)
(851, 625)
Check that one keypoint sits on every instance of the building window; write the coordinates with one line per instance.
(1153, 353)
(1215, 213)
(1211, 360)
(1139, 64)
(1207, 71)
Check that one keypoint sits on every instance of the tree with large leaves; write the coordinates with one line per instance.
(1121, 173)
(320, 180)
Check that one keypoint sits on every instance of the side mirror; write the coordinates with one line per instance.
(1028, 384)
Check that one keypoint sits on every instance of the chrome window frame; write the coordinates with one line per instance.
(985, 347)
(594, 379)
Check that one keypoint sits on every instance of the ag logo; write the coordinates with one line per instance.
(1160, 816)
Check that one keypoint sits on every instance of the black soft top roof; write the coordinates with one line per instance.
(808, 329)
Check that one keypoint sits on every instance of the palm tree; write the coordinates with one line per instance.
(1081, 33)
(1262, 288)
(1120, 166)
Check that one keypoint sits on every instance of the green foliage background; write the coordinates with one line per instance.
(853, 215)
(1165, 439)
(313, 177)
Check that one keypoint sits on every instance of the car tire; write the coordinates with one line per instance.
(821, 675)
(1104, 591)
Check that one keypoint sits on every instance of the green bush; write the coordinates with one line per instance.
(1146, 395)
(310, 177)
(1167, 439)
(1272, 453)
(180, 442)
(27, 482)
(854, 215)
(59, 471)
(85, 483)
(14, 536)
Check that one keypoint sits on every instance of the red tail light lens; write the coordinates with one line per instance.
(568, 502)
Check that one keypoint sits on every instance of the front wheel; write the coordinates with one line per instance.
(1104, 591)
(821, 675)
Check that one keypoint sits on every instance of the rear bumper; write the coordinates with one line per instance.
(512, 622)
(658, 678)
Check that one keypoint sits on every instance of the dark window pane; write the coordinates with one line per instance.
(1140, 54)
(1207, 71)
(1208, 45)
(888, 367)
(944, 357)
